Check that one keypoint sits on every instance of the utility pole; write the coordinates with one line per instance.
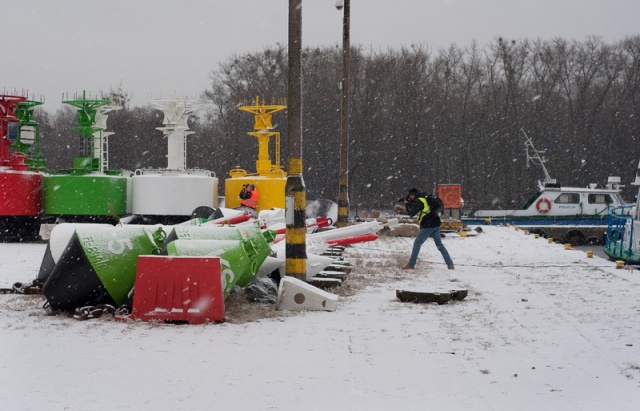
(296, 196)
(343, 196)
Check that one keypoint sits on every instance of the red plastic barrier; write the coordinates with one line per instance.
(178, 289)
(353, 240)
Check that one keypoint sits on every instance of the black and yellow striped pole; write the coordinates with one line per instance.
(343, 195)
(296, 241)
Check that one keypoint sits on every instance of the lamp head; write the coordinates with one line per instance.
(339, 4)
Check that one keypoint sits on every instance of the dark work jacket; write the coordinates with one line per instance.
(432, 219)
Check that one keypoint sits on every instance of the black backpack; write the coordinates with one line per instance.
(435, 204)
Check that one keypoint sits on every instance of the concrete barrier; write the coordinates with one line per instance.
(294, 294)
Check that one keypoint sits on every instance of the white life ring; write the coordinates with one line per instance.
(543, 205)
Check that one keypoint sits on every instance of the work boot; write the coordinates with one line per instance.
(407, 267)
(450, 267)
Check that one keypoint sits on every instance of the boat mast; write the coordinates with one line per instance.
(537, 158)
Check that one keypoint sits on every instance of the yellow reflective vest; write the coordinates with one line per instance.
(424, 211)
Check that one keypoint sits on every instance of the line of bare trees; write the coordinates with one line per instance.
(418, 118)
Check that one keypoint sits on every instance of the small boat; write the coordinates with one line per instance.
(557, 205)
(621, 241)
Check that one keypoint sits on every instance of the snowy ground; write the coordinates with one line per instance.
(542, 328)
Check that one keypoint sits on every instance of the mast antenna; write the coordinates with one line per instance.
(536, 157)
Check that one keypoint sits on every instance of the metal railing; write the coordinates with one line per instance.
(619, 219)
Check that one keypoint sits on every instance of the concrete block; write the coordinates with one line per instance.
(294, 294)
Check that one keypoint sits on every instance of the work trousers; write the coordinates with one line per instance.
(423, 235)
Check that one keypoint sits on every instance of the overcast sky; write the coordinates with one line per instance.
(162, 48)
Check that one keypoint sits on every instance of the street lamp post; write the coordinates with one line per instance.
(343, 196)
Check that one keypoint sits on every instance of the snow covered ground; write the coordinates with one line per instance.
(542, 328)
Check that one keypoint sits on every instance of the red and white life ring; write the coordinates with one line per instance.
(543, 205)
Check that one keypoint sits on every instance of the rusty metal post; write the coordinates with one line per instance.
(295, 246)
(343, 196)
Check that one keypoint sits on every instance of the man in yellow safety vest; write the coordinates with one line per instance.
(428, 210)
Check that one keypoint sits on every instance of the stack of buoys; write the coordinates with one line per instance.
(92, 264)
(241, 249)
(97, 263)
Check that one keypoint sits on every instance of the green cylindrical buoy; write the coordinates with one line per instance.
(215, 232)
(240, 259)
(86, 195)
